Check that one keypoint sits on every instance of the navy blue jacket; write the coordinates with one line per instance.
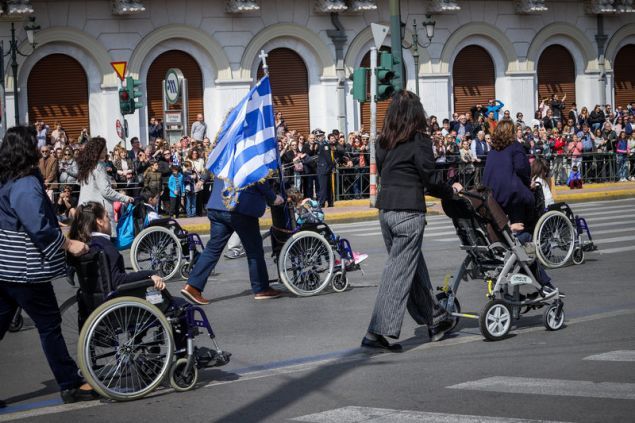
(508, 174)
(251, 202)
(118, 273)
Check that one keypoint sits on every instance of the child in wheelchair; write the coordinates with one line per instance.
(309, 212)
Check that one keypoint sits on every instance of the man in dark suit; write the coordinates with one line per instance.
(136, 148)
(243, 219)
(325, 167)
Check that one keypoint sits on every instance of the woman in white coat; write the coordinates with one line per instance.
(94, 181)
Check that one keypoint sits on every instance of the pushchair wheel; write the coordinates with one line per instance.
(578, 256)
(554, 316)
(339, 282)
(17, 322)
(495, 320)
(442, 298)
(180, 381)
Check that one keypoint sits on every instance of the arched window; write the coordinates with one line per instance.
(191, 71)
(52, 99)
(556, 74)
(624, 71)
(290, 88)
(473, 78)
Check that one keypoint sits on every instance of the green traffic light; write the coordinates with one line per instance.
(359, 84)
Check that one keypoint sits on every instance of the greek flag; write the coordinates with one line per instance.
(246, 149)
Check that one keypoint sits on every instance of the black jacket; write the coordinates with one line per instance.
(406, 172)
(118, 273)
(325, 161)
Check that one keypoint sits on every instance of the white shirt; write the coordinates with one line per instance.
(546, 191)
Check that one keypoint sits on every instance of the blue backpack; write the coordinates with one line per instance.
(126, 228)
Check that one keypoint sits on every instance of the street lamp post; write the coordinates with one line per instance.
(429, 27)
(31, 28)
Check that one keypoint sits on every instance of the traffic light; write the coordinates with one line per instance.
(132, 86)
(385, 75)
(359, 84)
(124, 102)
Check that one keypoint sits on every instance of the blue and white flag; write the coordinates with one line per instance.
(246, 147)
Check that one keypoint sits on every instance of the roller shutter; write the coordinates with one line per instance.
(556, 74)
(290, 88)
(473, 78)
(191, 71)
(58, 91)
(624, 71)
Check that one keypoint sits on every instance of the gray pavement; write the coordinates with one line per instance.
(297, 358)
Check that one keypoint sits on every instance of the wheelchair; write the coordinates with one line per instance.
(133, 338)
(309, 256)
(165, 247)
(561, 236)
(497, 257)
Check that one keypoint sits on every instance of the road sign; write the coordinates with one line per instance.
(172, 86)
(379, 34)
(119, 128)
(120, 69)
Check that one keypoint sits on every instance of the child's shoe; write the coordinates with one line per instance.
(359, 257)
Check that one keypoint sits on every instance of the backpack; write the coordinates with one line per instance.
(125, 228)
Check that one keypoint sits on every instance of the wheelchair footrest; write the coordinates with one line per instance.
(206, 357)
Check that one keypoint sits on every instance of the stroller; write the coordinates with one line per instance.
(497, 257)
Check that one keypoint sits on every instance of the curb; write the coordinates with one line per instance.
(356, 216)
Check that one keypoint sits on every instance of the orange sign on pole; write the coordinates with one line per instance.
(120, 68)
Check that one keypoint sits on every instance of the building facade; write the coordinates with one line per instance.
(517, 51)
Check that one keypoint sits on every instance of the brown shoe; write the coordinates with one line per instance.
(267, 294)
(193, 295)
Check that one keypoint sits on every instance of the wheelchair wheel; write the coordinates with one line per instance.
(442, 298)
(578, 256)
(552, 319)
(339, 282)
(70, 324)
(305, 264)
(157, 248)
(125, 348)
(555, 239)
(17, 322)
(495, 320)
(179, 380)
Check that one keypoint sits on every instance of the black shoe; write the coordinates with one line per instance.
(70, 396)
(2, 404)
(381, 344)
(438, 331)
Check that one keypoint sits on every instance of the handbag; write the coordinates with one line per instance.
(298, 166)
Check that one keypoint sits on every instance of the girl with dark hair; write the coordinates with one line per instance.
(405, 162)
(32, 254)
(92, 176)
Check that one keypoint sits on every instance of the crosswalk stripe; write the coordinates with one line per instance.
(383, 415)
(598, 219)
(568, 388)
(616, 250)
(620, 355)
(612, 231)
(613, 240)
(605, 212)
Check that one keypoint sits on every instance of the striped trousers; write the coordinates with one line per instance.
(405, 283)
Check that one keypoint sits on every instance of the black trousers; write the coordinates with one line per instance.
(175, 205)
(326, 189)
(39, 302)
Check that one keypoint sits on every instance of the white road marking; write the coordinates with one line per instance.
(385, 415)
(620, 355)
(613, 240)
(616, 250)
(606, 211)
(44, 411)
(558, 387)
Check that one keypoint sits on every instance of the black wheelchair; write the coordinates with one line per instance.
(133, 337)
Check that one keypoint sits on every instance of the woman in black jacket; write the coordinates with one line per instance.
(32, 254)
(405, 163)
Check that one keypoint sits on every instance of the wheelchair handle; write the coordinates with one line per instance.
(472, 195)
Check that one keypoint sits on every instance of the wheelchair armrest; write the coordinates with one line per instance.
(131, 286)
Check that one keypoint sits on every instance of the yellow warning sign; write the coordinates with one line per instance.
(120, 68)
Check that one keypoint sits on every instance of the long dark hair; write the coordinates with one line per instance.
(19, 155)
(89, 157)
(85, 220)
(404, 118)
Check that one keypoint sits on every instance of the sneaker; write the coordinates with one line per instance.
(438, 331)
(267, 294)
(193, 295)
(359, 257)
(235, 253)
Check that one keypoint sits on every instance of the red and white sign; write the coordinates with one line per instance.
(120, 69)
(119, 128)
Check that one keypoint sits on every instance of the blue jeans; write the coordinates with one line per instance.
(39, 302)
(190, 204)
(622, 171)
(222, 226)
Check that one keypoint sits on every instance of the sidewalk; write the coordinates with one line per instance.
(356, 210)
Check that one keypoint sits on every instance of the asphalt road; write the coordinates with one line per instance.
(297, 359)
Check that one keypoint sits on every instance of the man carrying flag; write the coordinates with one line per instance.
(244, 156)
